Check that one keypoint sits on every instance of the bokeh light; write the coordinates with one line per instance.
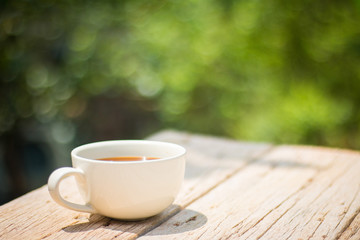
(76, 72)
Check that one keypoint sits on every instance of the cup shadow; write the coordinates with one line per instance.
(161, 224)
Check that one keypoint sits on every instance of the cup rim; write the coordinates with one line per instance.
(74, 152)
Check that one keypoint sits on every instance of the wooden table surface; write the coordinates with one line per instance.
(232, 190)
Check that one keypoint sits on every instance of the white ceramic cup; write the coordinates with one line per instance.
(123, 189)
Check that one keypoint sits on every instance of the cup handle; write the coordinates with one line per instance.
(53, 186)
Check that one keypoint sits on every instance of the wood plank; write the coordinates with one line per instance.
(353, 231)
(33, 212)
(291, 193)
(327, 205)
(211, 161)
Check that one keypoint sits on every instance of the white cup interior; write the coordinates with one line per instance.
(122, 148)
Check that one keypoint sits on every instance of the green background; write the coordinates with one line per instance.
(78, 71)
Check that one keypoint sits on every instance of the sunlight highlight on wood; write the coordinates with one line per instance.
(232, 190)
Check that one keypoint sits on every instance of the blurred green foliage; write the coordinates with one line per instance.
(277, 71)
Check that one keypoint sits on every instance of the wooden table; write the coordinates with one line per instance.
(232, 190)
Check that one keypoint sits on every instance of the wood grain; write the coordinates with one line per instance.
(353, 231)
(211, 161)
(232, 190)
(291, 193)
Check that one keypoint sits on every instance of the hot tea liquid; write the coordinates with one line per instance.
(128, 158)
